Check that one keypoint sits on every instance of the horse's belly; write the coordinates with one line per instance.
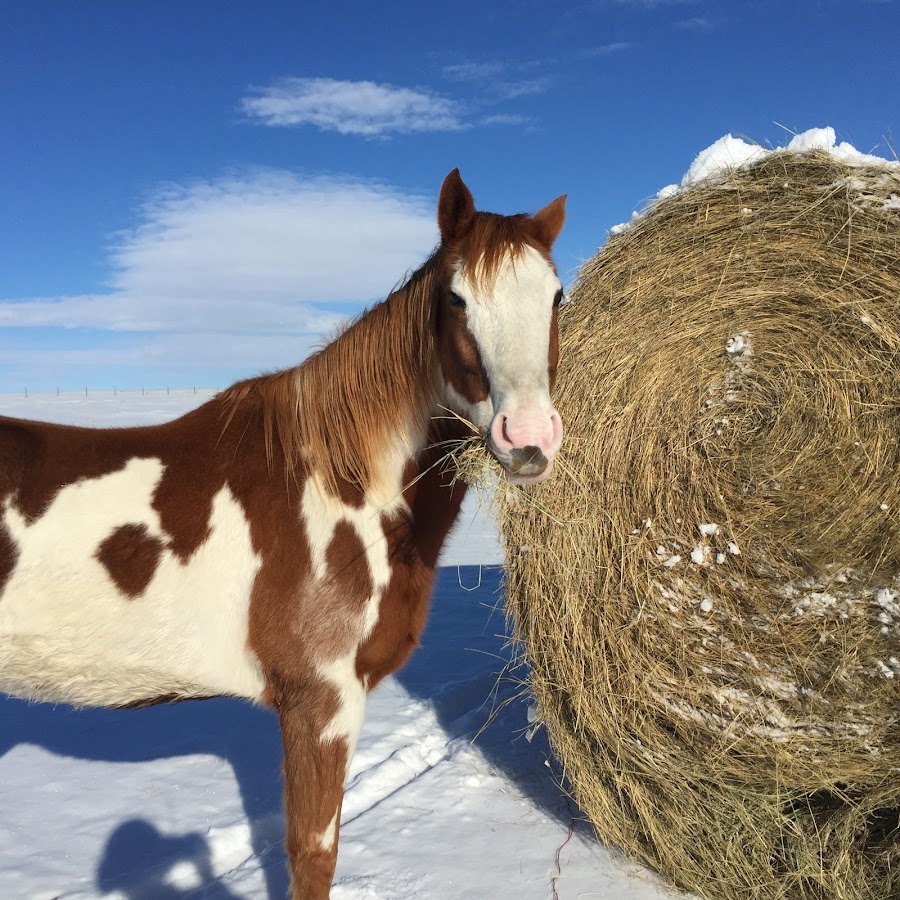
(84, 625)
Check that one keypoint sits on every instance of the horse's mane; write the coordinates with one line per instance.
(337, 411)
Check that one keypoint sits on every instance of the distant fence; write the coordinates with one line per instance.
(86, 391)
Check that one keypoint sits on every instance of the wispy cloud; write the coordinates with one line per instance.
(244, 270)
(528, 87)
(695, 23)
(652, 4)
(605, 49)
(473, 71)
(353, 107)
(506, 119)
(496, 81)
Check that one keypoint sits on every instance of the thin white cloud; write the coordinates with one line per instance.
(653, 4)
(605, 49)
(241, 272)
(510, 90)
(474, 71)
(506, 119)
(353, 107)
(695, 23)
(249, 253)
(494, 83)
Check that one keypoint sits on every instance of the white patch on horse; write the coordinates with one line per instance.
(67, 633)
(520, 304)
(328, 838)
(346, 723)
(483, 411)
(321, 514)
(385, 494)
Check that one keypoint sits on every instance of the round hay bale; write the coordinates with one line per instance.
(707, 590)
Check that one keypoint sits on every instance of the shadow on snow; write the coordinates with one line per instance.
(463, 649)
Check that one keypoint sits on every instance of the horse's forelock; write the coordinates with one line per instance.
(491, 241)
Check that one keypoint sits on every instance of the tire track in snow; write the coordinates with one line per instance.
(403, 766)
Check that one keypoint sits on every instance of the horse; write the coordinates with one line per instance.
(279, 543)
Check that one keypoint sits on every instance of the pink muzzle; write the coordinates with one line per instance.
(525, 441)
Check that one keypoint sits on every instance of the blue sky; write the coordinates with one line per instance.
(193, 192)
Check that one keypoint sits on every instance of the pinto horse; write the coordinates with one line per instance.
(279, 543)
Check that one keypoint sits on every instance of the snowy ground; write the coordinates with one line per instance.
(184, 801)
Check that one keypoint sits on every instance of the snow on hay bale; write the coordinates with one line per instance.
(707, 590)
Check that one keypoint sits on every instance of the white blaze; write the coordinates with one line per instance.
(510, 322)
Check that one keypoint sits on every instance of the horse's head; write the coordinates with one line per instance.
(496, 326)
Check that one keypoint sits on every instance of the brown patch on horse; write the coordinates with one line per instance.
(553, 356)
(460, 361)
(46, 457)
(328, 612)
(272, 505)
(414, 545)
(184, 501)
(131, 555)
(403, 609)
(9, 555)
(348, 565)
(14, 446)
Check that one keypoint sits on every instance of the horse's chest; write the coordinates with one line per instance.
(368, 592)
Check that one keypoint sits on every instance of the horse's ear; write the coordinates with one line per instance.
(548, 222)
(456, 208)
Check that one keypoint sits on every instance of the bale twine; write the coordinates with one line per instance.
(707, 591)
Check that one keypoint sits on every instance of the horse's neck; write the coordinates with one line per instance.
(366, 401)
(434, 495)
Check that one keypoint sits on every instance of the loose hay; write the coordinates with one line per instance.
(707, 591)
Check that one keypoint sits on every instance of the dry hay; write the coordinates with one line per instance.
(726, 700)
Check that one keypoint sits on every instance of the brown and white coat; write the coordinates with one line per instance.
(279, 543)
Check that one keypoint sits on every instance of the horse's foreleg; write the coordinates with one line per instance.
(317, 750)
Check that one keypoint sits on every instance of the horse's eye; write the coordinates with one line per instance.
(457, 301)
(560, 296)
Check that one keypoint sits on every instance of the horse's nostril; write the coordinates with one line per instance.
(529, 460)
(505, 435)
